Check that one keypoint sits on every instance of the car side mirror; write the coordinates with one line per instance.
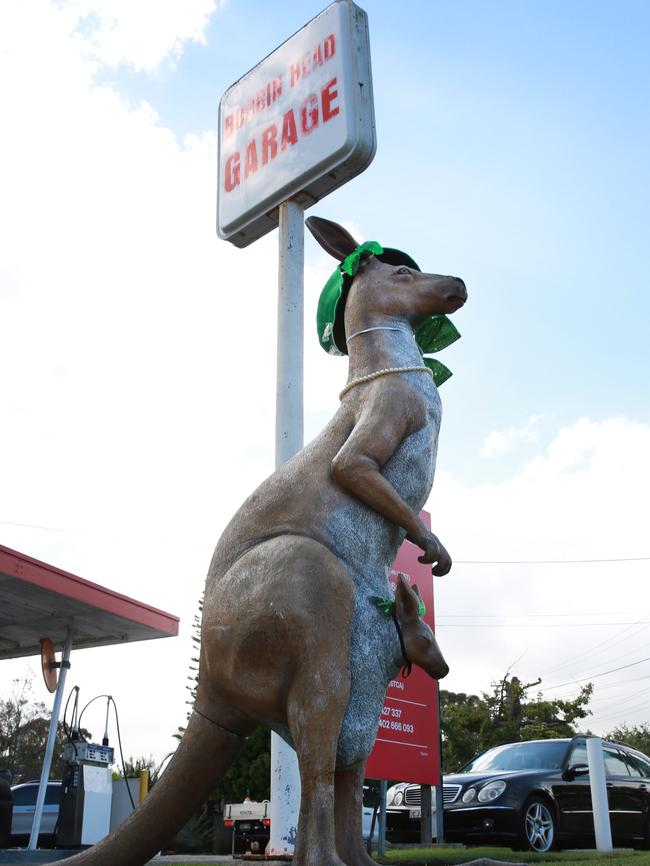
(575, 770)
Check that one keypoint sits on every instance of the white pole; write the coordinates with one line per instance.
(51, 737)
(598, 783)
(285, 778)
(381, 840)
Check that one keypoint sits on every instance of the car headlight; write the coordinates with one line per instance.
(398, 799)
(491, 791)
(469, 795)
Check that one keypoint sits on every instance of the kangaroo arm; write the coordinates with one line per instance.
(357, 468)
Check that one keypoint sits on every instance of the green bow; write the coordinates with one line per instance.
(434, 335)
(387, 605)
(350, 264)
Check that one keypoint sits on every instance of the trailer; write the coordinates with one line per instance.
(251, 823)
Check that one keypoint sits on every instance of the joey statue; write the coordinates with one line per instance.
(295, 633)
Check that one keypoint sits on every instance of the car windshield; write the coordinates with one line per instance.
(546, 755)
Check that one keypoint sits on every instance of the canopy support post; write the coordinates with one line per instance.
(51, 737)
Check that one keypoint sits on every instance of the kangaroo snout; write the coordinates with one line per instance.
(432, 661)
(442, 670)
(419, 640)
(457, 292)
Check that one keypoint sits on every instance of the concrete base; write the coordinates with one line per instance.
(18, 856)
(15, 856)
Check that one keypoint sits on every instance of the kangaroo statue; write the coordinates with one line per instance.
(292, 635)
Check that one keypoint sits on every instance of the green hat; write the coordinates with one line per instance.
(433, 335)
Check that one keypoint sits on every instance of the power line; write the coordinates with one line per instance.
(521, 615)
(530, 624)
(456, 561)
(596, 676)
(601, 688)
(548, 561)
(610, 642)
(35, 526)
(618, 682)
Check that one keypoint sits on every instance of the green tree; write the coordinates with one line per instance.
(463, 718)
(471, 724)
(637, 736)
(250, 773)
(193, 676)
(514, 717)
(24, 728)
(133, 767)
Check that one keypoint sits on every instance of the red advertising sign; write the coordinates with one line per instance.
(407, 748)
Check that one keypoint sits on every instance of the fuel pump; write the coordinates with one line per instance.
(85, 811)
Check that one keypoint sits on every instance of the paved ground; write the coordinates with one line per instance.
(19, 857)
(209, 860)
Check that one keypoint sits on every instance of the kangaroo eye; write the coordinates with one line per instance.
(403, 270)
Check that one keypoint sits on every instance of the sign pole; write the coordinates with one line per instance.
(49, 747)
(285, 778)
(438, 791)
(426, 808)
(599, 799)
(381, 840)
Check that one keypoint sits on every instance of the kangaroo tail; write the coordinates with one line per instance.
(203, 756)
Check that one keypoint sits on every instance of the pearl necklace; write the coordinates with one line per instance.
(384, 372)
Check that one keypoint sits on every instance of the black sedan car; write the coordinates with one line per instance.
(535, 795)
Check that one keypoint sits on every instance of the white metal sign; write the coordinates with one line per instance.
(299, 124)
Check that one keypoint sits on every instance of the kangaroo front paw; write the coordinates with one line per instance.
(434, 552)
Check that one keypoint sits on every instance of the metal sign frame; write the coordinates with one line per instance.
(298, 125)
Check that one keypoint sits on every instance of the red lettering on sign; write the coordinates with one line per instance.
(309, 114)
(273, 90)
(228, 125)
(260, 100)
(232, 177)
(328, 95)
(315, 109)
(289, 131)
(312, 59)
(250, 163)
(330, 46)
(269, 143)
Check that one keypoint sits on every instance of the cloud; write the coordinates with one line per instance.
(138, 349)
(138, 396)
(141, 33)
(582, 498)
(500, 442)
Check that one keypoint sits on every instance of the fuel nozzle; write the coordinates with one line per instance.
(108, 706)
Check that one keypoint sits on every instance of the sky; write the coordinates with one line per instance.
(137, 358)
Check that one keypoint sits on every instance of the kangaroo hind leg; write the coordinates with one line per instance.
(317, 701)
(348, 807)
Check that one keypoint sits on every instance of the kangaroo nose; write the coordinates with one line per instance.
(444, 670)
(462, 286)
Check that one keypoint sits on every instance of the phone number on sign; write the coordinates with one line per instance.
(405, 727)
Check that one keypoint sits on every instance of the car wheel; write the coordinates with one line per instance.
(538, 831)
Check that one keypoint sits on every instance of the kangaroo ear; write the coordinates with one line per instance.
(407, 602)
(332, 237)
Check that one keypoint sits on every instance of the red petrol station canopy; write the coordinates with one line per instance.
(39, 600)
